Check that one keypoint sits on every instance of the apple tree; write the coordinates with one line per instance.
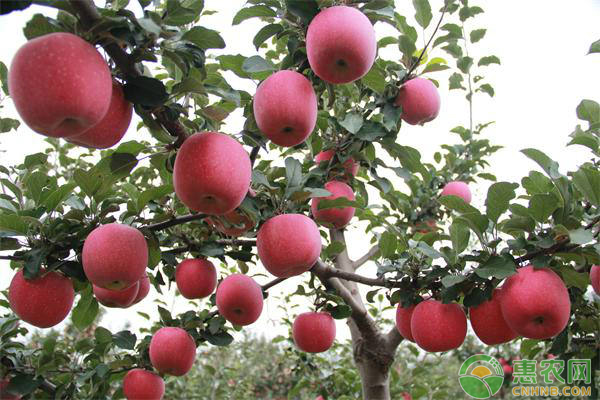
(96, 220)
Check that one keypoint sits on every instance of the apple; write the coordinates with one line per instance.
(406, 396)
(60, 85)
(488, 323)
(438, 327)
(336, 217)
(314, 332)
(508, 370)
(403, 318)
(341, 44)
(196, 278)
(172, 351)
(288, 244)
(144, 289)
(43, 301)
(212, 173)
(457, 188)
(595, 278)
(420, 101)
(116, 298)
(113, 126)
(350, 166)
(4, 394)
(239, 299)
(535, 303)
(140, 384)
(115, 256)
(234, 223)
(285, 108)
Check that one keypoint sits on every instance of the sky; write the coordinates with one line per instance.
(544, 74)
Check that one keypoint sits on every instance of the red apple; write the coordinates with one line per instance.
(212, 173)
(340, 44)
(288, 244)
(350, 166)
(4, 394)
(508, 370)
(115, 256)
(43, 301)
(111, 129)
(420, 101)
(336, 217)
(406, 396)
(595, 278)
(172, 351)
(403, 318)
(535, 303)
(60, 85)
(314, 332)
(144, 289)
(285, 108)
(140, 384)
(488, 323)
(196, 278)
(239, 299)
(116, 298)
(457, 188)
(234, 223)
(438, 327)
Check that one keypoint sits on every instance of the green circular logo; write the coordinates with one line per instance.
(481, 376)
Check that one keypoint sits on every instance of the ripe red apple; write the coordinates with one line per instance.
(420, 101)
(288, 244)
(234, 223)
(336, 217)
(488, 323)
(60, 84)
(115, 256)
(403, 318)
(212, 173)
(406, 396)
(457, 188)
(140, 384)
(320, 398)
(438, 327)
(143, 290)
(314, 332)
(350, 166)
(111, 129)
(116, 298)
(535, 303)
(239, 299)
(196, 278)
(508, 370)
(172, 351)
(341, 44)
(285, 108)
(44, 301)
(4, 395)
(595, 278)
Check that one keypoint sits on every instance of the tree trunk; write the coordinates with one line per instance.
(375, 381)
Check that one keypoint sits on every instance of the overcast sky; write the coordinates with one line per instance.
(545, 72)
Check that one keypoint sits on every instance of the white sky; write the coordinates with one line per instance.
(544, 74)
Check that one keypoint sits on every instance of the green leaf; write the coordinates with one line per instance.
(40, 25)
(374, 79)
(251, 12)
(58, 196)
(124, 340)
(476, 221)
(451, 280)
(464, 64)
(23, 384)
(86, 310)
(423, 12)
(388, 243)
(581, 236)
(14, 224)
(7, 243)
(595, 47)
(121, 164)
(484, 61)
(548, 165)
(498, 267)
(469, 12)
(293, 172)
(589, 110)
(352, 122)
(154, 193)
(459, 235)
(573, 278)
(456, 80)
(257, 64)
(8, 124)
(586, 139)
(541, 206)
(486, 88)
(587, 181)
(303, 9)
(477, 35)
(87, 182)
(265, 33)
(4, 78)
(371, 131)
(7, 7)
(149, 92)
(341, 311)
(407, 45)
(178, 15)
(36, 159)
(498, 198)
(340, 202)
(204, 38)
(218, 339)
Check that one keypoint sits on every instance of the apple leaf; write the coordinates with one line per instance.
(8, 6)
(588, 110)
(498, 266)
(146, 91)
(204, 38)
(257, 64)
(265, 33)
(487, 60)
(124, 340)
(477, 34)
(498, 199)
(303, 9)
(252, 12)
(423, 12)
(595, 47)
(587, 181)
(86, 310)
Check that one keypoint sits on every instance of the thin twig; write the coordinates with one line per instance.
(174, 221)
(372, 251)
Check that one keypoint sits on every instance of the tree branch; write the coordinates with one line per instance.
(323, 270)
(374, 250)
(15, 258)
(393, 339)
(174, 221)
(274, 282)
